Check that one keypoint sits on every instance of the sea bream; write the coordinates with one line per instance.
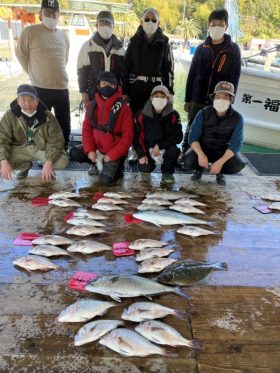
(194, 231)
(51, 239)
(143, 243)
(64, 202)
(83, 213)
(127, 342)
(147, 207)
(35, 263)
(274, 206)
(62, 194)
(156, 201)
(170, 195)
(48, 250)
(154, 265)
(95, 330)
(188, 271)
(88, 247)
(167, 217)
(186, 209)
(272, 197)
(84, 230)
(85, 221)
(106, 207)
(117, 195)
(113, 201)
(188, 201)
(164, 334)
(84, 310)
(143, 311)
(128, 286)
(153, 252)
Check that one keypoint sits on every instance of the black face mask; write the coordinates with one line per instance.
(107, 91)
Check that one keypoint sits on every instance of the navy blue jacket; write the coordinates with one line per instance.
(205, 72)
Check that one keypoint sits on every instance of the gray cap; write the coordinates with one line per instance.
(223, 87)
(105, 15)
(160, 88)
(27, 90)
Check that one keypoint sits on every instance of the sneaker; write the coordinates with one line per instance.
(23, 174)
(221, 180)
(168, 178)
(196, 175)
(93, 170)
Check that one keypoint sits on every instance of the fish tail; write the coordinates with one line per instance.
(220, 266)
(180, 292)
(168, 353)
(180, 314)
(195, 343)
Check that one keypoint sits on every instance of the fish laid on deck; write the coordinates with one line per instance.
(95, 330)
(272, 197)
(58, 195)
(194, 231)
(48, 250)
(106, 207)
(143, 311)
(274, 206)
(154, 265)
(156, 201)
(143, 243)
(127, 286)
(117, 195)
(164, 334)
(52, 239)
(88, 247)
(170, 195)
(85, 221)
(188, 271)
(84, 310)
(153, 252)
(129, 343)
(83, 213)
(84, 230)
(188, 201)
(64, 202)
(167, 217)
(148, 207)
(186, 209)
(35, 263)
(113, 201)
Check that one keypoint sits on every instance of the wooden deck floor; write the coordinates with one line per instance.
(236, 313)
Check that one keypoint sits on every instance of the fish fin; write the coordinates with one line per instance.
(220, 266)
(116, 298)
(180, 292)
(180, 314)
(169, 353)
(196, 343)
(150, 298)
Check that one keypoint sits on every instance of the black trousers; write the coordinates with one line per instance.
(139, 93)
(58, 99)
(232, 166)
(169, 161)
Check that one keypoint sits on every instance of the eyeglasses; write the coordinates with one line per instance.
(150, 20)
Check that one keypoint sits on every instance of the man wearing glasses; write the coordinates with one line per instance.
(42, 51)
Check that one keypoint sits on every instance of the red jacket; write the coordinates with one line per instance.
(115, 144)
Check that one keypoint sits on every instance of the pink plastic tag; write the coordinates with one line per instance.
(40, 201)
(27, 236)
(263, 209)
(69, 216)
(19, 242)
(129, 219)
(122, 249)
(98, 195)
(80, 280)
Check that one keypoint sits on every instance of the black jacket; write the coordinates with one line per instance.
(205, 72)
(150, 129)
(151, 59)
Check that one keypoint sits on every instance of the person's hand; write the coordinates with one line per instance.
(85, 98)
(6, 170)
(107, 158)
(143, 160)
(216, 167)
(125, 98)
(156, 151)
(47, 171)
(186, 107)
(203, 160)
(92, 156)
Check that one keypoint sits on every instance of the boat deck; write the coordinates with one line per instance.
(236, 312)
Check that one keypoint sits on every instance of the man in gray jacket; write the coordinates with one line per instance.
(29, 132)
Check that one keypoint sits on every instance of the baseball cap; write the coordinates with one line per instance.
(223, 87)
(107, 76)
(27, 90)
(160, 88)
(105, 15)
(51, 4)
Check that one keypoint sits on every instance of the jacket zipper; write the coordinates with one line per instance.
(213, 65)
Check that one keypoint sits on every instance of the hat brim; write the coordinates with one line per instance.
(212, 96)
(105, 19)
(27, 94)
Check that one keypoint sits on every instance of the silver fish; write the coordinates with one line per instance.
(186, 209)
(117, 195)
(114, 201)
(274, 206)
(170, 195)
(129, 343)
(106, 207)
(193, 231)
(58, 195)
(147, 207)
(88, 247)
(127, 286)
(35, 263)
(153, 252)
(167, 217)
(64, 202)
(83, 213)
(47, 250)
(143, 243)
(84, 310)
(188, 201)
(154, 265)
(156, 201)
(163, 334)
(272, 197)
(84, 230)
(52, 239)
(143, 311)
(85, 221)
(95, 330)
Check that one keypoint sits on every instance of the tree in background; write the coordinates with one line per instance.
(189, 29)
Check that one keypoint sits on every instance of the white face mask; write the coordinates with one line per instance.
(159, 103)
(50, 23)
(216, 32)
(150, 28)
(29, 114)
(105, 32)
(221, 105)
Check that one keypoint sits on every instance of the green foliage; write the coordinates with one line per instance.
(188, 28)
